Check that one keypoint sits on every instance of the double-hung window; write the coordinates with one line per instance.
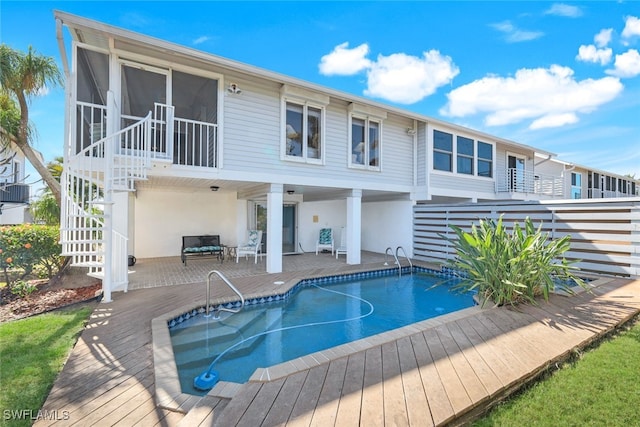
(442, 151)
(303, 131)
(465, 155)
(485, 159)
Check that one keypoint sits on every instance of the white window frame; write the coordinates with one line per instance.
(452, 153)
(369, 114)
(305, 99)
(473, 157)
(367, 144)
(478, 159)
(304, 157)
(576, 186)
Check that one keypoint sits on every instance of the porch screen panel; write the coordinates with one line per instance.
(92, 81)
(141, 90)
(195, 137)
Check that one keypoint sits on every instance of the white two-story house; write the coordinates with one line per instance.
(14, 192)
(164, 141)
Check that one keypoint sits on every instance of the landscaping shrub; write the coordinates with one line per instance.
(509, 268)
(25, 247)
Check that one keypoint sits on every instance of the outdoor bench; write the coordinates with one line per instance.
(205, 245)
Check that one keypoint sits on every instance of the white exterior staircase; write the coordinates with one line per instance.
(109, 164)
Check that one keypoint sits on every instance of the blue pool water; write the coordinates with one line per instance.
(314, 318)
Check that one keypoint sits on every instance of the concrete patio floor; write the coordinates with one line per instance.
(438, 372)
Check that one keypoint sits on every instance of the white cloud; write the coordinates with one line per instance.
(344, 61)
(407, 79)
(548, 97)
(201, 40)
(554, 121)
(631, 27)
(626, 64)
(603, 37)
(561, 9)
(589, 53)
(514, 34)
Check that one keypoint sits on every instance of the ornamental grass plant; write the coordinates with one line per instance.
(512, 268)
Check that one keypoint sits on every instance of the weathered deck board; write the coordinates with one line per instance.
(327, 404)
(412, 388)
(262, 403)
(395, 409)
(453, 386)
(429, 376)
(372, 394)
(283, 405)
(309, 393)
(439, 404)
(486, 376)
(351, 397)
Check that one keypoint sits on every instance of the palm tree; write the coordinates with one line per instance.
(9, 122)
(44, 209)
(22, 76)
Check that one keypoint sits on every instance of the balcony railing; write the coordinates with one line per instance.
(14, 193)
(194, 143)
(519, 181)
(596, 193)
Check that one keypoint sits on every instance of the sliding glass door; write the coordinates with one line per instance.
(289, 225)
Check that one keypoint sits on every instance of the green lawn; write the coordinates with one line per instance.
(602, 388)
(32, 352)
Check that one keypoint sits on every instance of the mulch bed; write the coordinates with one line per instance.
(45, 298)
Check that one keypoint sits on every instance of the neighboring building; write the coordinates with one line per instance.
(14, 193)
(170, 141)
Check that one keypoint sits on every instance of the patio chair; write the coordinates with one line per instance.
(252, 247)
(342, 248)
(325, 240)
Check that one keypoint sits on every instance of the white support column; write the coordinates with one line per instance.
(354, 226)
(274, 228)
(107, 229)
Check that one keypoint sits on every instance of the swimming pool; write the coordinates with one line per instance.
(315, 315)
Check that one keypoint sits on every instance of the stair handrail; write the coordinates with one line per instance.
(405, 255)
(230, 285)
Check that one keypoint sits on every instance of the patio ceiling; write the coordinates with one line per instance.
(258, 190)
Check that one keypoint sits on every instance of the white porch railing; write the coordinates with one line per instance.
(193, 143)
(519, 181)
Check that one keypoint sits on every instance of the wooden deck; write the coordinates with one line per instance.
(441, 372)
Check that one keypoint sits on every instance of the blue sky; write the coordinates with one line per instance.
(562, 77)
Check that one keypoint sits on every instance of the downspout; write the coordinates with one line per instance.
(415, 154)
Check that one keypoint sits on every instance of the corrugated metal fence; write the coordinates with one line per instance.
(605, 235)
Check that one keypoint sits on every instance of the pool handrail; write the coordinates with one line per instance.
(395, 256)
(230, 285)
(405, 255)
